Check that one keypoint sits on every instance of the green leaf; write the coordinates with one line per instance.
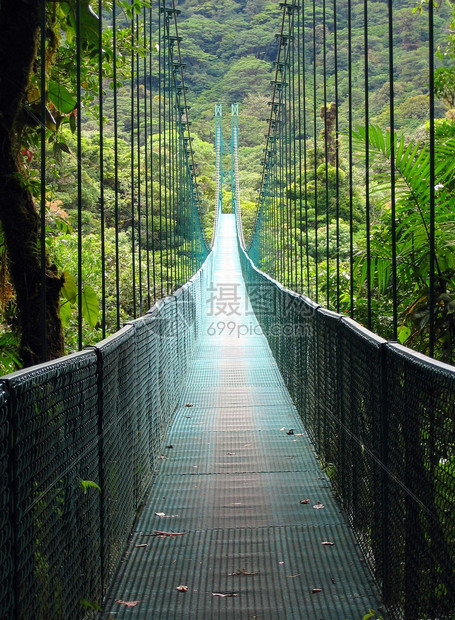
(50, 121)
(66, 312)
(87, 484)
(63, 147)
(89, 605)
(90, 305)
(69, 288)
(403, 333)
(60, 96)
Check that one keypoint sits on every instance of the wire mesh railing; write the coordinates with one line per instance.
(382, 421)
(81, 438)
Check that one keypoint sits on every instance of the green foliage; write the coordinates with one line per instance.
(411, 166)
(89, 484)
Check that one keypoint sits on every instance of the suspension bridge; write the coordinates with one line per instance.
(233, 449)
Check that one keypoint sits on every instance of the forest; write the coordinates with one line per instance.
(228, 50)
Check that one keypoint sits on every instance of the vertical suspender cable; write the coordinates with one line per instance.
(431, 297)
(79, 173)
(350, 156)
(367, 161)
(116, 180)
(300, 81)
(139, 116)
(43, 182)
(101, 161)
(152, 165)
(337, 155)
(326, 152)
(172, 99)
(392, 172)
(160, 145)
(166, 46)
(294, 151)
(305, 153)
(132, 170)
(147, 83)
(315, 135)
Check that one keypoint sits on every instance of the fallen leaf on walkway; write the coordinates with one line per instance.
(224, 594)
(137, 546)
(163, 457)
(292, 576)
(316, 590)
(304, 501)
(241, 571)
(162, 534)
(182, 588)
(327, 542)
(283, 429)
(230, 453)
(169, 447)
(290, 431)
(128, 603)
(163, 515)
(318, 506)
(300, 434)
(188, 405)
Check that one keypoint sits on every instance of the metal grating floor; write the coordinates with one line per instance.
(231, 481)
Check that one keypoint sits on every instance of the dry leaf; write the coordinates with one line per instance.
(182, 588)
(224, 594)
(230, 453)
(316, 590)
(292, 576)
(283, 429)
(188, 405)
(163, 457)
(163, 515)
(327, 542)
(128, 603)
(290, 431)
(241, 571)
(304, 501)
(137, 546)
(162, 534)
(318, 506)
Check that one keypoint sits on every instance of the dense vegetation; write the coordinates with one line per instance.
(228, 48)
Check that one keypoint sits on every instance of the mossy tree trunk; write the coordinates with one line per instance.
(19, 35)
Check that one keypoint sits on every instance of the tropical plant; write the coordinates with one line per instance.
(405, 167)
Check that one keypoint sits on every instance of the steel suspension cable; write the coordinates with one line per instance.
(132, 167)
(392, 172)
(101, 164)
(43, 300)
(337, 153)
(79, 175)
(116, 166)
(139, 169)
(350, 166)
(367, 161)
(315, 163)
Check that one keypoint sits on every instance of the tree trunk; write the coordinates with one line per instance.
(19, 28)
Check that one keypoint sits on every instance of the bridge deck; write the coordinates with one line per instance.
(232, 482)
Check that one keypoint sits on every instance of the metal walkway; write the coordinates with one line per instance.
(231, 487)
